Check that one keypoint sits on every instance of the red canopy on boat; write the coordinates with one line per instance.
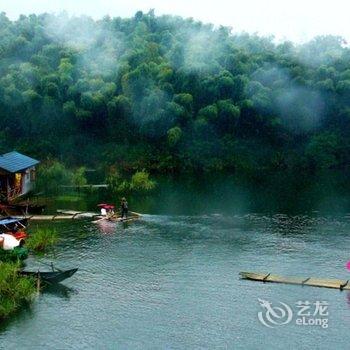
(106, 206)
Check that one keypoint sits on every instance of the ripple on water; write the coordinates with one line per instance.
(172, 282)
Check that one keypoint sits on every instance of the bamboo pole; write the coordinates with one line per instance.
(38, 282)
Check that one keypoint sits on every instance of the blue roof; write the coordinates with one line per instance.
(13, 162)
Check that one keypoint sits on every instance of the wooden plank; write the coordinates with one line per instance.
(47, 217)
(78, 213)
(307, 281)
(116, 219)
(68, 212)
(134, 215)
(84, 186)
(73, 217)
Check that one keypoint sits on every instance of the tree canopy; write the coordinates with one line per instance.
(171, 94)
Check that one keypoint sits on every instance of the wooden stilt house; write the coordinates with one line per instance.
(17, 175)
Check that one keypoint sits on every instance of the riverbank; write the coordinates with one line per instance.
(15, 290)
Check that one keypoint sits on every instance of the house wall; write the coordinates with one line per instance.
(28, 179)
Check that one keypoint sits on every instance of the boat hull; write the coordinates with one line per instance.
(50, 277)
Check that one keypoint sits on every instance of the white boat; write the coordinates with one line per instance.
(8, 242)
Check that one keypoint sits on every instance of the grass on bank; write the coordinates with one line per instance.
(14, 289)
(14, 255)
(42, 239)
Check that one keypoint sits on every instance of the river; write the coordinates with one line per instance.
(170, 281)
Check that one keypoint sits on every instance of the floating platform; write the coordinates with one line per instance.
(80, 214)
(310, 281)
(50, 217)
(75, 215)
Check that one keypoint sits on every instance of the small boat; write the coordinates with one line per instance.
(108, 214)
(50, 277)
(115, 218)
(310, 281)
(9, 241)
(11, 224)
(97, 217)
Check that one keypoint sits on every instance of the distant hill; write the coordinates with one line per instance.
(169, 94)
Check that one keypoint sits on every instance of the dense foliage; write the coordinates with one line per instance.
(168, 94)
(139, 182)
(14, 289)
(42, 239)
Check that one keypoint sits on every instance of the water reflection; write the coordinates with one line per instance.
(106, 227)
(196, 195)
(59, 290)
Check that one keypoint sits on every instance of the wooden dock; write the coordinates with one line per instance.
(310, 281)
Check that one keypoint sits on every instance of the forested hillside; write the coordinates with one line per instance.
(168, 94)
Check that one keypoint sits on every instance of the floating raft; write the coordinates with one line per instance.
(72, 215)
(49, 217)
(80, 214)
(310, 281)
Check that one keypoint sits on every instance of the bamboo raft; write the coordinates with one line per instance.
(79, 214)
(75, 215)
(310, 281)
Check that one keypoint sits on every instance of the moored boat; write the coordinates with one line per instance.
(108, 213)
(50, 277)
(8, 241)
(12, 224)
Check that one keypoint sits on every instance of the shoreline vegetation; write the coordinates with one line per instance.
(53, 176)
(41, 240)
(16, 290)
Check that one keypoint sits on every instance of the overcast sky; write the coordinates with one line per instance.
(297, 20)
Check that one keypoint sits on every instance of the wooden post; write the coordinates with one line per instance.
(38, 282)
(7, 188)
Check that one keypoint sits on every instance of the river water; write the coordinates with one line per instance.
(172, 282)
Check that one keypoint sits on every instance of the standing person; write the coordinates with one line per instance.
(124, 208)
